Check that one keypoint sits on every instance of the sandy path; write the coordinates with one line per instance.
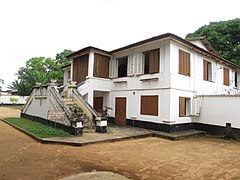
(8, 112)
(147, 158)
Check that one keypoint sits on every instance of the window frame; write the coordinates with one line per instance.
(118, 65)
(226, 80)
(184, 63)
(186, 101)
(153, 61)
(148, 106)
(207, 71)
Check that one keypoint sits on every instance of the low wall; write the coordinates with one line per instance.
(5, 99)
(216, 112)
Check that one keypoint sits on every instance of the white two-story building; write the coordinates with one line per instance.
(152, 83)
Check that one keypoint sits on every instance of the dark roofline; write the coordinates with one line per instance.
(85, 49)
(65, 66)
(205, 42)
(142, 42)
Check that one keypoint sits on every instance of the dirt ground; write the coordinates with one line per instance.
(6, 112)
(149, 158)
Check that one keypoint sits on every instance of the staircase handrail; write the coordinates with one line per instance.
(28, 102)
(61, 102)
(89, 107)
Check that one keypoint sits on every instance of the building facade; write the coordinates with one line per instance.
(152, 83)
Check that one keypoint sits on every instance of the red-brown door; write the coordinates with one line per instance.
(120, 111)
(98, 104)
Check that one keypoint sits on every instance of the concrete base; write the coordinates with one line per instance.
(101, 129)
(78, 131)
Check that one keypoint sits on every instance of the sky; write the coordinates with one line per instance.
(34, 28)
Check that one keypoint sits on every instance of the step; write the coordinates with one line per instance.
(180, 134)
(70, 103)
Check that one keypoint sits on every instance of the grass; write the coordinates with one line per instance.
(37, 129)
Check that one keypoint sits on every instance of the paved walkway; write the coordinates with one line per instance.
(117, 133)
(114, 133)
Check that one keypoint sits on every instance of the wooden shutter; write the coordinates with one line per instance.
(130, 65)
(184, 63)
(205, 70)
(226, 76)
(149, 105)
(209, 71)
(182, 106)
(80, 68)
(187, 64)
(154, 61)
(138, 67)
(101, 66)
(113, 70)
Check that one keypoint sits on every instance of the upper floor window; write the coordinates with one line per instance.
(80, 68)
(184, 63)
(226, 76)
(151, 61)
(207, 70)
(101, 66)
(122, 67)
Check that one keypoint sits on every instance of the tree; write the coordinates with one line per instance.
(37, 70)
(14, 100)
(61, 57)
(224, 36)
(40, 70)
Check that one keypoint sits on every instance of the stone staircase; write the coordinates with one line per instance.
(88, 125)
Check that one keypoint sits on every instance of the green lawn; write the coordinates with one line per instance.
(37, 129)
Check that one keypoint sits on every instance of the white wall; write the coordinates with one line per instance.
(174, 106)
(219, 110)
(195, 82)
(133, 104)
(5, 99)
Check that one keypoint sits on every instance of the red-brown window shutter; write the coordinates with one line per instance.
(149, 105)
(226, 76)
(182, 106)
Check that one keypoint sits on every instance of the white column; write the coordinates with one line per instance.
(90, 64)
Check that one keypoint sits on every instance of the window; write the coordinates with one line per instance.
(101, 66)
(235, 79)
(184, 63)
(151, 61)
(149, 105)
(80, 68)
(184, 106)
(226, 76)
(122, 67)
(207, 70)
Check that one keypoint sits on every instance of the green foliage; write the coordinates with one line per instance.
(224, 36)
(61, 57)
(39, 70)
(13, 100)
(37, 129)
